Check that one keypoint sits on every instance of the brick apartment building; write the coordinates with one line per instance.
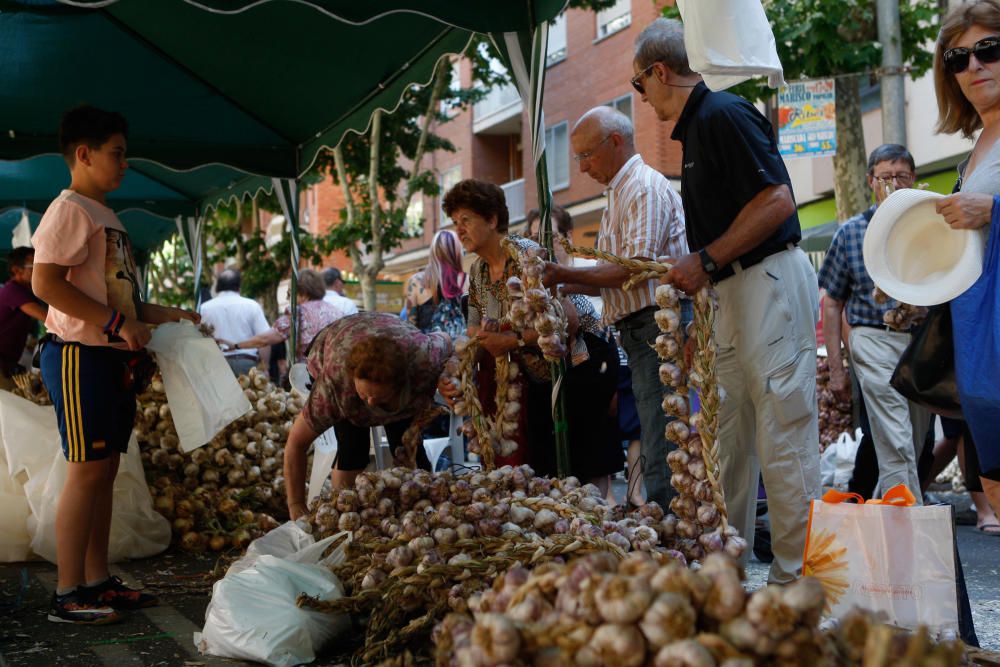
(589, 63)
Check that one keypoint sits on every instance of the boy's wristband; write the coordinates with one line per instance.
(114, 325)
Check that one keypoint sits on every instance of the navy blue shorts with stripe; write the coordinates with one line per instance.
(94, 409)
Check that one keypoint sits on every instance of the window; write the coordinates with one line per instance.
(413, 223)
(614, 18)
(557, 41)
(557, 155)
(448, 180)
(623, 104)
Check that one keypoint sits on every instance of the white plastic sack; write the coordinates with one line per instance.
(289, 542)
(32, 448)
(202, 392)
(836, 464)
(253, 615)
(730, 41)
(15, 542)
(324, 454)
(897, 560)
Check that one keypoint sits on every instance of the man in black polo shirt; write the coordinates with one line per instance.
(742, 229)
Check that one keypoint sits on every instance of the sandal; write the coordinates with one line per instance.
(989, 528)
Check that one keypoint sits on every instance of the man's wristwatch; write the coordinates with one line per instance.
(236, 346)
(707, 262)
(520, 338)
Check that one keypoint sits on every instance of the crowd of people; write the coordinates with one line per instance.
(733, 226)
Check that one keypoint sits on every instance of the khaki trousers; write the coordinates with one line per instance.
(898, 426)
(766, 333)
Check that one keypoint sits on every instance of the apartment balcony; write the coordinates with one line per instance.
(499, 112)
(514, 193)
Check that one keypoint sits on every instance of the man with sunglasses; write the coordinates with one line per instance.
(897, 427)
(643, 220)
(742, 227)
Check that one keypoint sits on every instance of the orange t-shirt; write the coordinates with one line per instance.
(86, 236)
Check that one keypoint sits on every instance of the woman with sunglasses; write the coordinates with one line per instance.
(967, 82)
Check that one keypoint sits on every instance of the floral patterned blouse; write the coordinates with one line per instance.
(488, 298)
(314, 316)
(333, 397)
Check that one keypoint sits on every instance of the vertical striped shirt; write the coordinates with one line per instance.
(644, 218)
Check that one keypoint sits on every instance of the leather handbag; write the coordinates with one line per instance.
(925, 373)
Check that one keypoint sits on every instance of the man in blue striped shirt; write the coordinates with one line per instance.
(897, 426)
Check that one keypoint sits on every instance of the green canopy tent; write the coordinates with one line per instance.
(219, 81)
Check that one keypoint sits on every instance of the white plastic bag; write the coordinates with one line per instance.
(730, 41)
(895, 559)
(837, 460)
(32, 448)
(203, 394)
(253, 615)
(15, 542)
(290, 542)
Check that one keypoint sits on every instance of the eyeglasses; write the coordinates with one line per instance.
(636, 80)
(986, 50)
(586, 155)
(904, 178)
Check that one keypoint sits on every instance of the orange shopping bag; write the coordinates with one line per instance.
(886, 556)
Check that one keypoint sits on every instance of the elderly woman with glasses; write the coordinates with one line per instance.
(967, 82)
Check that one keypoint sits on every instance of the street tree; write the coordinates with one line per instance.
(382, 170)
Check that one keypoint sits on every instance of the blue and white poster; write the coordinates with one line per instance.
(807, 119)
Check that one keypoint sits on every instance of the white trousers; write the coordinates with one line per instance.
(766, 333)
(898, 426)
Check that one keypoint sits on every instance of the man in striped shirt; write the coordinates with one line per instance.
(644, 219)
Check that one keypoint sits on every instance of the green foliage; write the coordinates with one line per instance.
(262, 267)
(399, 143)
(171, 275)
(820, 38)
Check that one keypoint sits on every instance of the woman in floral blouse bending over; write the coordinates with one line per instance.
(369, 369)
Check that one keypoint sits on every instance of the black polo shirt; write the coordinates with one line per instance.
(730, 155)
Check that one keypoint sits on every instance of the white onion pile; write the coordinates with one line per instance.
(243, 463)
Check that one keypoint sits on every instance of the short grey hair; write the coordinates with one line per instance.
(610, 121)
(663, 42)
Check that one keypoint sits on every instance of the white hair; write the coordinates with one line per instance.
(610, 121)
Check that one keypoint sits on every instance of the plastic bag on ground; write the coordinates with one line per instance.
(290, 542)
(837, 461)
(32, 448)
(202, 392)
(253, 615)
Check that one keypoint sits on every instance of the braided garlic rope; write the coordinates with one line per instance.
(643, 269)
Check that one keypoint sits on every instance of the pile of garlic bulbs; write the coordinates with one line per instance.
(423, 543)
(643, 611)
(389, 509)
(244, 461)
(700, 506)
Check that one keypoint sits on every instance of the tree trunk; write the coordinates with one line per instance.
(850, 187)
(269, 302)
(368, 282)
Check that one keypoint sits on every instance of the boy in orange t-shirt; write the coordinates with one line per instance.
(85, 271)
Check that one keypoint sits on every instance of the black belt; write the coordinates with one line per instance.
(752, 258)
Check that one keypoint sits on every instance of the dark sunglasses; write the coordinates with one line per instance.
(636, 80)
(986, 50)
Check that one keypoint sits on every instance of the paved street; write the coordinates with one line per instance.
(162, 636)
